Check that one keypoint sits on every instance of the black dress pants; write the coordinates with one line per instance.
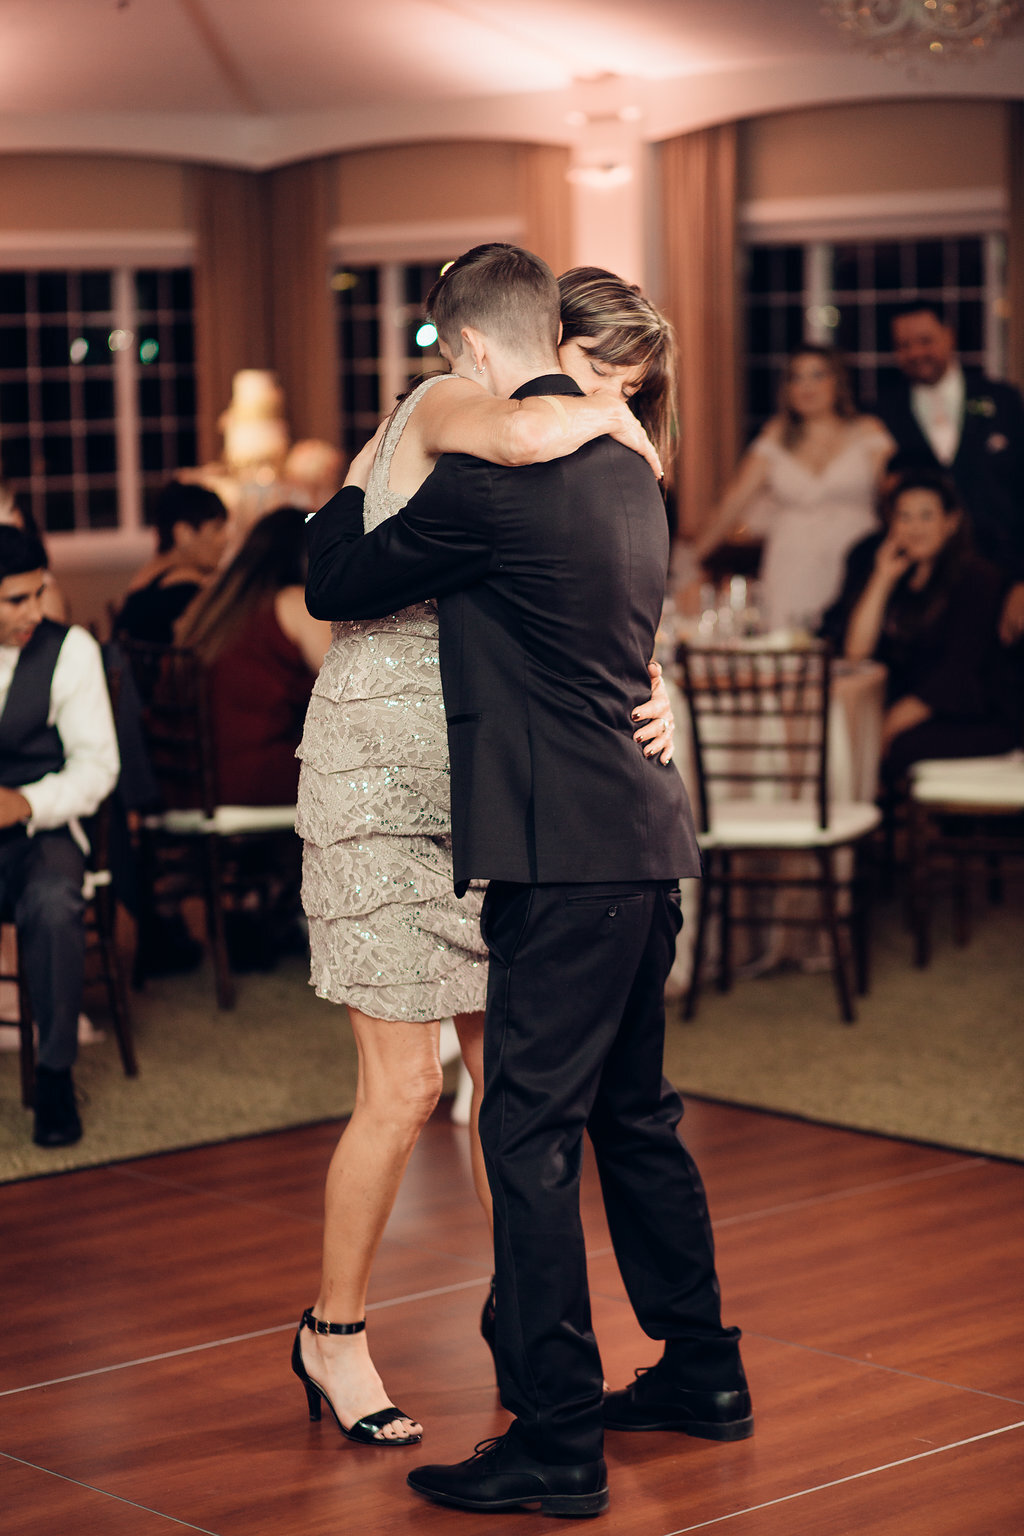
(574, 1041)
(41, 891)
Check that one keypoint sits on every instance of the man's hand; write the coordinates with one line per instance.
(1011, 624)
(14, 808)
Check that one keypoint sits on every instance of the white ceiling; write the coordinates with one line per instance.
(258, 82)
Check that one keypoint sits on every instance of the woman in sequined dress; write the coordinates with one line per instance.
(388, 937)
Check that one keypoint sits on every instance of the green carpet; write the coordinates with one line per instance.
(937, 1055)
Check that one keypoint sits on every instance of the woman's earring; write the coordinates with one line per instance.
(479, 367)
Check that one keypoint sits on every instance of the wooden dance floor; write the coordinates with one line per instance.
(148, 1311)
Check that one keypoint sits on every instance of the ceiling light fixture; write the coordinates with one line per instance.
(909, 30)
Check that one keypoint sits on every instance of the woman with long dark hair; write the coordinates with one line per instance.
(388, 937)
(818, 465)
(930, 612)
(262, 651)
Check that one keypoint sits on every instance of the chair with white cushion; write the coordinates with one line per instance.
(213, 843)
(962, 810)
(760, 724)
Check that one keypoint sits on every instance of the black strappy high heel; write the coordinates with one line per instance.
(364, 1430)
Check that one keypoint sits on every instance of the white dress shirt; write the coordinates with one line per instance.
(939, 409)
(80, 710)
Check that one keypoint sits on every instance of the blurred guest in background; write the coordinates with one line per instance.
(955, 420)
(818, 463)
(191, 526)
(253, 633)
(58, 763)
(15, 516)
(930, 612)
(313, 472)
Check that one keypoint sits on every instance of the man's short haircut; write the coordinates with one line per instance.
(19, 552)
(919, 307)
(179, 503)
(503, 291)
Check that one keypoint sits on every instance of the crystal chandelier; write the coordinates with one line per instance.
(915, 29)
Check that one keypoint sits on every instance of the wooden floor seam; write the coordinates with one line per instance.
(852, 1477)
(104, 1493)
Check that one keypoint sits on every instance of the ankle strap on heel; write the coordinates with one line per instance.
(316, 1324)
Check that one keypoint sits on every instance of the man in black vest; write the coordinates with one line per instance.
(959, 422)
(58, 761)
(550, 579)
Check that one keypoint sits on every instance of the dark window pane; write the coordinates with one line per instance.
(57, 453)
(95, 292)
(56, 400)
(844, 268)
(101, 453)
(59, 513)
(181, 288)
(98, 398)
(52, 292)
(929, 263)
(101, 503)
(13, 346)
(182, 343)
(847, 332)
(150, 403)
(762, 392)
(792, 262)
(12, 293)
(759, 274)
(970, 327)
(187, 451)
(152, 450)
(54, 344)
(972, 273)
(146, 293)
(13, 403)
(185, 394)
(17, 457)
(759, 328)
(887, 267)
(794, 326)
(97, 339)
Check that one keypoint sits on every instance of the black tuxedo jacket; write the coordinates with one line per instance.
(988, 469)
(550, 581)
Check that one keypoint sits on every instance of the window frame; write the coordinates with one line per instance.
(122, 253)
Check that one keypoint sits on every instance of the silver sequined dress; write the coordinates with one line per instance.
(386, 931)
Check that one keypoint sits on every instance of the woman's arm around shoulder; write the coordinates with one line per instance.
(312, 636)
(461, 417)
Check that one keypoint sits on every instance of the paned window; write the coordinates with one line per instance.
(97, 391)
(846, 295)
(381, 341)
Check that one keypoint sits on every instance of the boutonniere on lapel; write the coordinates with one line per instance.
(997, 443)
(982, 406)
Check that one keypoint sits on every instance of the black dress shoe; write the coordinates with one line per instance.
(57, 1123)
(656, 1400)
(500, 1475)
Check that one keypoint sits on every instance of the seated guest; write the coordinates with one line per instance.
(929, 610)
(58, 762)
(253, 633)
(191, 536)
(16, 516)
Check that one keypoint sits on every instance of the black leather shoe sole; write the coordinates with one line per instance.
(737, 1429)
(573, 1506)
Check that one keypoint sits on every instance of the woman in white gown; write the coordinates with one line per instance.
(388, 938)
(818, 464)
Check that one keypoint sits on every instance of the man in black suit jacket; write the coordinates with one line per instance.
(960, 423)
(550, 582)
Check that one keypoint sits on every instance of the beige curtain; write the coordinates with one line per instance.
(232, 297)
(1015, 245)
(698, 191)
(544, 199)
(303, 332)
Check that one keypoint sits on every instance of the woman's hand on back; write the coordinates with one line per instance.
(359, 469)
(656, 737)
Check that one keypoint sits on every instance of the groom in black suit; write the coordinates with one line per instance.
(550, 581)
(960, 423)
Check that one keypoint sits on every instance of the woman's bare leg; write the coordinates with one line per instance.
(470, 1028)
(398, 1087)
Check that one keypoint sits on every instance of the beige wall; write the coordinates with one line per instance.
(84, 192)
(892, 146)
(417, 182)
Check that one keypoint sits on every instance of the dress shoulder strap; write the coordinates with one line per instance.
(399, 417)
